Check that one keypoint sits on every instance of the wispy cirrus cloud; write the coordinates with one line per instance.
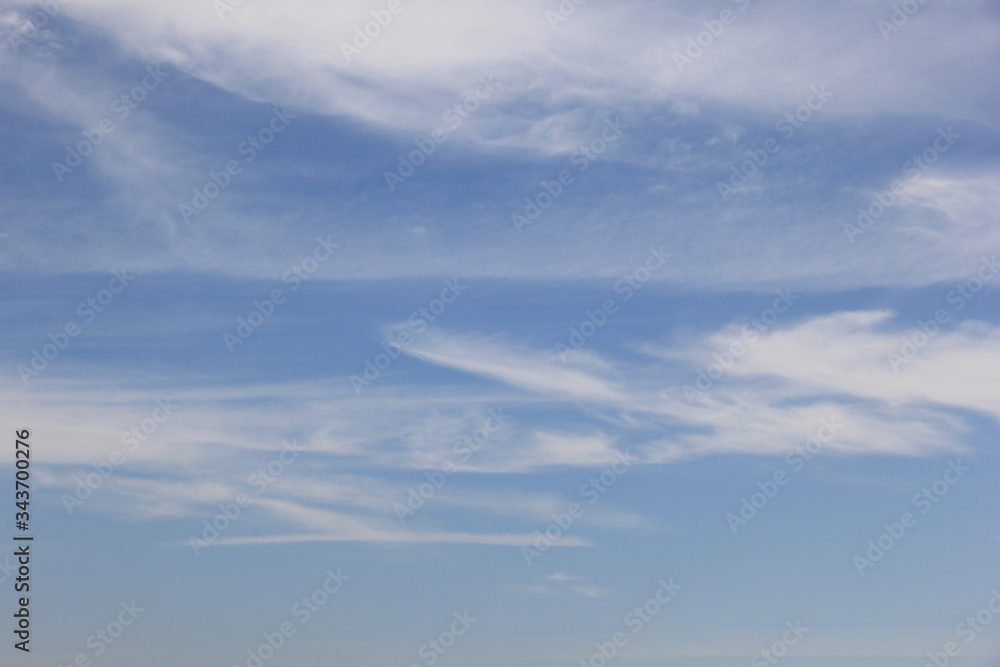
(364, 454)
(521, 368)
(700, 123)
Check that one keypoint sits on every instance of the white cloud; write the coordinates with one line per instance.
(848, 353)
(557, 89)
(270, 52)
(828, 369)
(537, 372)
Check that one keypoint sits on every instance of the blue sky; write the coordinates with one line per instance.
(638, 333)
